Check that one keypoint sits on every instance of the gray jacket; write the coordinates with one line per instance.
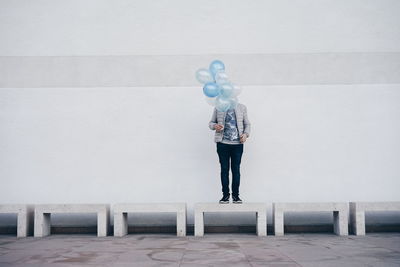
(243, 123)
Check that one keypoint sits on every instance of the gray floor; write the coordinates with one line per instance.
(210, 250)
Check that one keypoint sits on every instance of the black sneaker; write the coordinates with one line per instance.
(237, 200)
(224, 200)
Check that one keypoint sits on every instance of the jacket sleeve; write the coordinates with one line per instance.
(213, 120)
(246, 122)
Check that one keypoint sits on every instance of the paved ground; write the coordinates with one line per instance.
(211, 250)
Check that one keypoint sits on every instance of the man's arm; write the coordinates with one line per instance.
(246, 122)
(213, 120)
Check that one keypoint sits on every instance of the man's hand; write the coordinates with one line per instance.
(243, 138)
(219, 127)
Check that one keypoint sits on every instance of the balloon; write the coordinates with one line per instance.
(204, 76)
(211, 101)
(211, 89)
(234, 101)
(226, 90)
(236, 90)
(219, 91)
(215, 66)
(221, 77)
(222, 104)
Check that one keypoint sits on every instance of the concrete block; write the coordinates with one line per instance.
(121, 215)
(358, 209)
(44, 211)
(24, 217)
(259, 208)
(340, 214)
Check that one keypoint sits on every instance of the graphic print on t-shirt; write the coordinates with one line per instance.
(231, 132)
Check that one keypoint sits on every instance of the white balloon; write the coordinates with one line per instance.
(236, 90)
(222, 104)
(204, 76)
(212, 101)
(221, 77)
(226, 90)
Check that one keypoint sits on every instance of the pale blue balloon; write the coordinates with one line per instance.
(215, 66)
(226, 89)
(234, 102)
(211, 89)
(204, 76)
(222, 103)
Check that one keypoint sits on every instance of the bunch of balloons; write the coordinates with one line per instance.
(220, 92)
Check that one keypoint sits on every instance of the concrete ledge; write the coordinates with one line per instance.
(358, 209)
(340, 214)
(24, 217)
(259, 208)
(43, 212)
(121, 215)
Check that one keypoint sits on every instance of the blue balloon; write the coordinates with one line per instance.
(211, 89)
(222, 103)
(215, 66)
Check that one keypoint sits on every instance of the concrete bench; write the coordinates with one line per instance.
(358, 209)
(259, 208)
(24, 216)
(340, 214)
(43, 212)
(121, 215)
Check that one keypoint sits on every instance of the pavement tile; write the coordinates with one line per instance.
(378, 249)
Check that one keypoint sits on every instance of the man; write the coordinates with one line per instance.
(232, 128)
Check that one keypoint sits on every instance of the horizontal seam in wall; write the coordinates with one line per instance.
(212, 54)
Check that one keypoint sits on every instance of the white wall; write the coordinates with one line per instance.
(98, 101)
(182, 27)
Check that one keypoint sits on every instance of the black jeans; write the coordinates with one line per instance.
(232, 153)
